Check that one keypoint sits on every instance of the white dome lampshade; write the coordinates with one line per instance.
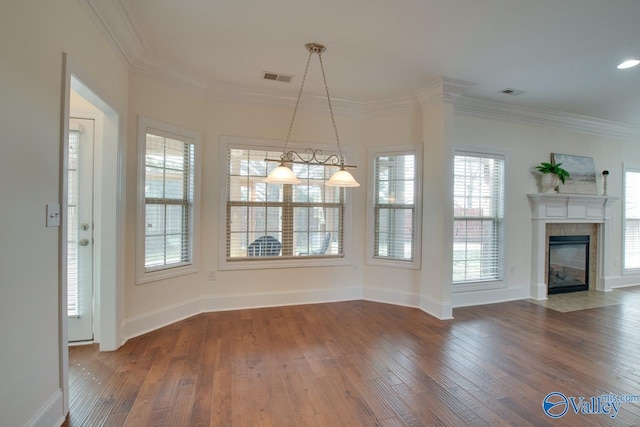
(342, 178)
(281, 175)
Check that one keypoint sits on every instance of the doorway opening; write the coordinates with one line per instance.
(105, 225)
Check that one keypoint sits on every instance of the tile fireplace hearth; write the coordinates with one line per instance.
(569, 210)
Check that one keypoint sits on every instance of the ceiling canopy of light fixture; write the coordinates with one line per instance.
(283, 174)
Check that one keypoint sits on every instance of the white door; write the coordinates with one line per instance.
(80, 230)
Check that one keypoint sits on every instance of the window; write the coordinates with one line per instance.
(167, 215)
(283, 223)
(395, 221)
(73, 199)
(478, 217)
(631, 220)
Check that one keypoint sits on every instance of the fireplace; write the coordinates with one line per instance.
(569, 211)
(568, 264)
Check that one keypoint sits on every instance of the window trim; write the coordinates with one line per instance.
(229, 142)
(626, 167)
(416, 150)
(144, 275)
(489, 284)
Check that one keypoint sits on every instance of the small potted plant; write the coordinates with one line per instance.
(552, 176)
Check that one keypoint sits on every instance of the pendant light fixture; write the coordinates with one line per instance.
(283, 173)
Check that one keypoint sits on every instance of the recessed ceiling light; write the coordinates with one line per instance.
(629, 63)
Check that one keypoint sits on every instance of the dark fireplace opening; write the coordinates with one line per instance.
(568, 264)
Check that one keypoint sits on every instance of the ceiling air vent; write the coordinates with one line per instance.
(512, 92)
(268, 75)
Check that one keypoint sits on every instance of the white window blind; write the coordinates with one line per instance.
(478, 217)
(394, 207)
(269, 221)
(632, 219)
(72, 223)
(168, 200)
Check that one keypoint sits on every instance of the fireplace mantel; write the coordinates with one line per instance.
(549, 208)
(553, 207)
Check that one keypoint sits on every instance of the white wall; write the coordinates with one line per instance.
(160, 102)
(437, 227)
(525, 146)
(153, 304)
(32, 39)
(391, 284)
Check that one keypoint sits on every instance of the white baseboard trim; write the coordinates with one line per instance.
(50, 414)
(387, 296)
(613, 282)
(276, 299)
(156, 319)
(539, 291)
(436, 309)
(147, 322)
(491, 296)
(408, 299)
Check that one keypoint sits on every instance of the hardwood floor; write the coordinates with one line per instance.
(363, 364)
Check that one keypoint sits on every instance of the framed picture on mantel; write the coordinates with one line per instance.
(582, 174)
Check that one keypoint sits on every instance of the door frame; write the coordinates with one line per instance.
(108, 216)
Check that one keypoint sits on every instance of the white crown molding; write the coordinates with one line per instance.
(114, 20)
(234, 94)
(442, 90)
(147, 65)
(116, 23)
(546, 118)
(231, 94)
(400, 105)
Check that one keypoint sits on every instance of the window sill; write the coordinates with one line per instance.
(167, 273)
(257, 264)
(394, 263)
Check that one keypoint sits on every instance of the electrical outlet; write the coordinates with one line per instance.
(355, 268)
(212, 275)
(512, 269)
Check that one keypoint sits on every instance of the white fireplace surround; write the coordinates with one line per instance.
(568, 208)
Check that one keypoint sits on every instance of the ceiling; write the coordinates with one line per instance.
(562, 53)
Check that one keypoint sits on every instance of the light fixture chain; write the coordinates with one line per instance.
(333, 120)
(295, 109)
(283, 174)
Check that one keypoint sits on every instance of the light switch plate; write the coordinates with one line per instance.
(53, 215)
